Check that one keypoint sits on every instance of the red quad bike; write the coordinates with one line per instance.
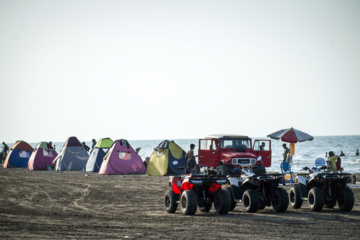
(258, 191)
(221, 154)
(322, 189)
(191, 191)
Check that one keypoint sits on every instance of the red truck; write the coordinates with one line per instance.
(223, 153)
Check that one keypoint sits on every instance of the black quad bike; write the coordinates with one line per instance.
(193, 191)
(258, 191)
(322, 189)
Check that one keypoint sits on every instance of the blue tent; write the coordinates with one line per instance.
(19, 155)
(96, 157)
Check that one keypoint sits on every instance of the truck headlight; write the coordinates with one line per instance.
(253, 161)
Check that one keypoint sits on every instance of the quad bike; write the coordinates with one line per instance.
(193, 191)
(258, 191)
(322, 189)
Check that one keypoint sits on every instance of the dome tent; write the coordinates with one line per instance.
(167, 159)
(122, 159)
(73, 156)
(19, 155)
(41, 157)
(96, 157)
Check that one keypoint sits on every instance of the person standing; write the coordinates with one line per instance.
(191, 163)
(93, 145)
(286, 152)
(342, 154)
(86, 146)
(4, 152)
(357, 152)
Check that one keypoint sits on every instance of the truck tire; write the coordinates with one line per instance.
(346, 200)
(223, 170)
(251, 201)
(188, 202)
(170, 201)
(280, 200)
(316, 199)
(232, 202)
(221, 202)
(294, 197)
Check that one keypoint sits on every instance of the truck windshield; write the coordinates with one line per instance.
(235, 143)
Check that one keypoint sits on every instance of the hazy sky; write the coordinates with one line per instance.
(177, 69)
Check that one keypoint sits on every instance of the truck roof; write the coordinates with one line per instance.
(226, 136)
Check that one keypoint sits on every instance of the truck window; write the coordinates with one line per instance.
(235, 143)
(261, 146)
(208, 145)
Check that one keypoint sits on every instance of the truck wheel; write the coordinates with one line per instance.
(294, 197)
(170, 201)
(346, 200)
(232, 202)
(188, 202)
(223, 170)
(221, 201)
(316, 199)
(251, 200)
(280, 200)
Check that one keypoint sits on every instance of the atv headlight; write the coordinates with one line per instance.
(196, 182)
(220, 182)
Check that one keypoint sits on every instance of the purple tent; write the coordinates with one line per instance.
(41, 157)
(122, 159)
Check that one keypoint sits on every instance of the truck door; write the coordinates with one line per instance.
(263, 148)
(208, 155)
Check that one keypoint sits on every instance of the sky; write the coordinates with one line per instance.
(177, 69)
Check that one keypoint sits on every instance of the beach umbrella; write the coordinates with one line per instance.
(292, 136)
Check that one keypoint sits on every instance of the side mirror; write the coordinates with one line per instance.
(259, 158)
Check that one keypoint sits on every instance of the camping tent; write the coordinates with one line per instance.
(19, 155)
(73, 156)
(122, 159)
(42, 156)
(167, 159)
(97, 155)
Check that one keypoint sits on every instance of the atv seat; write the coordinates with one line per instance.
(286, 170)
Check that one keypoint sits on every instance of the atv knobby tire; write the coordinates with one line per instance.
(251, 201)
(346, 200)
(280, 200)
(188, 202)
(294, 197)
(221, 202)
(170, 201)
(316, 199)
(232, 202)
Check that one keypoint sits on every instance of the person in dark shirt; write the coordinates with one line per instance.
(87, 148)
(49, 145)
(93, 145)
(4, 152)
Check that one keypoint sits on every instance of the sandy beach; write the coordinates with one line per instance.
(61, 205)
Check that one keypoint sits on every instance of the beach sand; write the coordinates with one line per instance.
(58, 205)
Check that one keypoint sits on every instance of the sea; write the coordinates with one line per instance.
(305, 152)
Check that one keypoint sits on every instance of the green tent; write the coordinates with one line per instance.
(104, 143)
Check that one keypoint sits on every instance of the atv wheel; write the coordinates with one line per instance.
(280, 200)
(170, 201)
(316, 199)
(294, 197)
(221, 201)
(223, 170)
(346, 200)
(205, 207)
(232, 202)
(188, 202)
(251, 200)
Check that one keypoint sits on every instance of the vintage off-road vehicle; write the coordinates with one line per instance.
(222, 153)
(322, 189)
(191, 191)
(258, 191)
